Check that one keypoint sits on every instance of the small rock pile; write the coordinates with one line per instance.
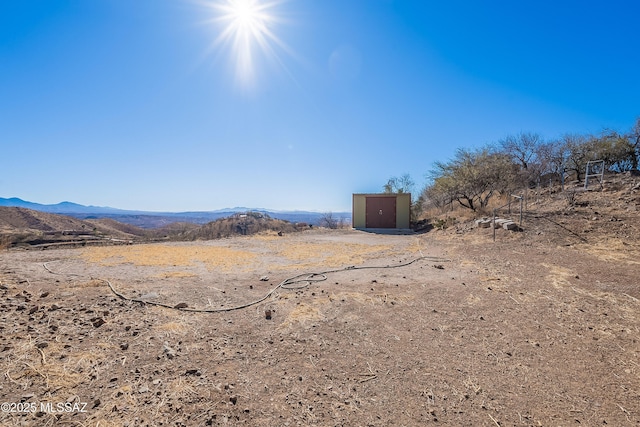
(506, 224)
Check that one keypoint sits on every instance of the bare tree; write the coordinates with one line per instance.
(617, 151)
(552, 158)
(438, 194)
(472, 177)
(328, 220)
(524, 150)
(404, 184)
(634, 139)
(577, 152)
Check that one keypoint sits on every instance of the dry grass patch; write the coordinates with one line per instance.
(182, 388)
(159, 255)
(174, 274)
(377, 298)
(173, 328)
(93, 283)
(267, 236)
(27, 365)
(559, 276)
(615, 250)
(313, 311)
(331, 255)
(302, 314)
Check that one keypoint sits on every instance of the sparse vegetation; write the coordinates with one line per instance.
(403, 184)
(5, 241)
(471, 178)
(443, 223)
(32, 228)
(570, 196)
(245, 223)
(329, 221)
(525, 160)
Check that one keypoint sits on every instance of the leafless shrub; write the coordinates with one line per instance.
(329, 221)
(443, 223)
(5, 241)
(570, 196)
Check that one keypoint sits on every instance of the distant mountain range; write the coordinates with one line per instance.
(146, 219)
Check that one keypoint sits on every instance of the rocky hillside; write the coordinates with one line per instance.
(575, 215)
(22, 227)
(22, 219)
(28, 228)
(239, 224)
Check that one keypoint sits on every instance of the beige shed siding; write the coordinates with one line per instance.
(403, 209)
(358, 213)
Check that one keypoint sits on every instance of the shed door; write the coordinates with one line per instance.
(380, 212)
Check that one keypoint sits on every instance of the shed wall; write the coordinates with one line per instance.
(403, 209)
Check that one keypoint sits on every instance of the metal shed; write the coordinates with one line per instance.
(383, 210)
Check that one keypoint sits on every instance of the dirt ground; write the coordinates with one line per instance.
(539, 328)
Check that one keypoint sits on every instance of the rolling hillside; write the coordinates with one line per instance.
(27, 227)
(22, 227)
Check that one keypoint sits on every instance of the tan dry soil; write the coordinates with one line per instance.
(536, 329)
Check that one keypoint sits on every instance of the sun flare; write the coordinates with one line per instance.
(247, 29)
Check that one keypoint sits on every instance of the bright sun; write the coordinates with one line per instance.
(247, 29)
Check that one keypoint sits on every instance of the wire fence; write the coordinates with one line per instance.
(527, 204)
(510, 215)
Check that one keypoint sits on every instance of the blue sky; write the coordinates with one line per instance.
(142, 105)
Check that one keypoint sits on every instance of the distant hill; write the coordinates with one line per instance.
(63, 207)
(238, 224)
(14, 218)
(151, 220)
(24, 227)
